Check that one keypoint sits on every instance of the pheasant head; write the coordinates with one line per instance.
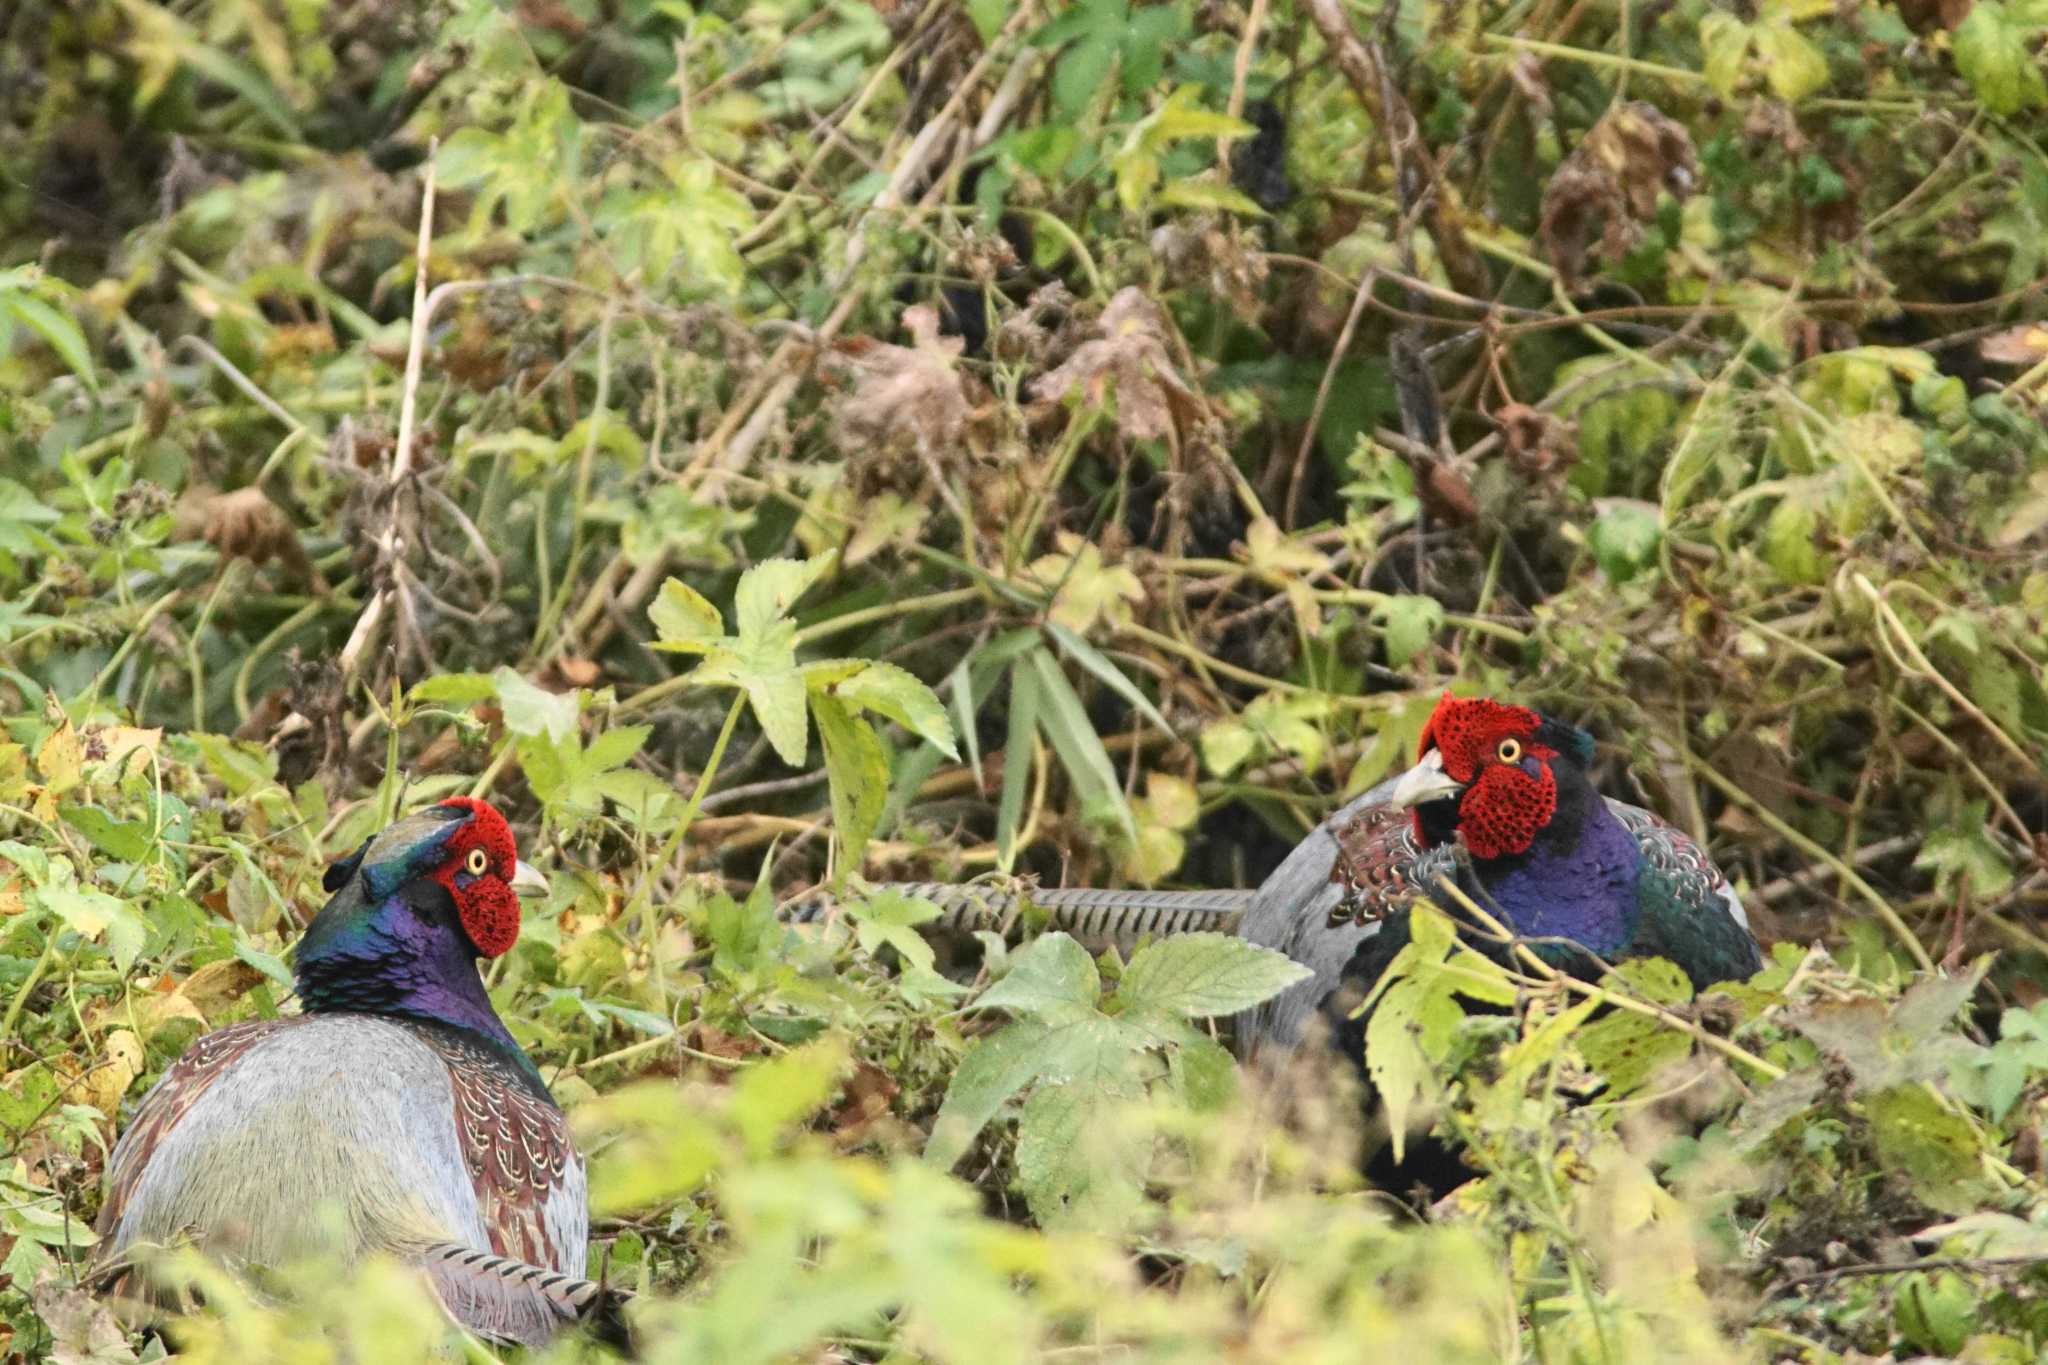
(411, 911)
(1488, 775)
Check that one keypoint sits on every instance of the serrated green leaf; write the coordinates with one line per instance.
(1197, 976)
(128, 841)
(1629, 1049)
(1052, 976)
(994, 1069)
(857, 774)
(1204, 1075)
(886, 690)
(684, 619)
(768, 590)
(530, 710)
(1073, 1162)
(1408, 623)
(1937, 1151)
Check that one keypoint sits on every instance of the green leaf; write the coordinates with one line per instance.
(1204, 1074)
(1724, 43)
(1991, 52)
(1051, 977)
(890, 917)
(1629, 1049)
(1408, 623)
(857, 773)
(768, 590)
(98, 916)
(885, 689)
(614, 748)
(530, 710)
(1196, 976)
(1207, 195)
(1017, 759)
(1073, 738)
(1789, 541)
(1073, 1162)
(684, 620)
(1416, 1014)
(454, 689)
(1962, 854)
(1624, 540)
(1226, 745)
(994, 1069)
(1938, 1152)
(58, 331)
(1098, 664)
(129, 841)
(1082, 71)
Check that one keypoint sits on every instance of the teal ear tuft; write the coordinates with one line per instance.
(340, 873)
(1582, 746)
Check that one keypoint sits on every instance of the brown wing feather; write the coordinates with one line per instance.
(516, 1146)
(1381, 866)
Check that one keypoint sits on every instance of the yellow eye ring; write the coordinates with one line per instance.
(479, 862)
(1510, 751)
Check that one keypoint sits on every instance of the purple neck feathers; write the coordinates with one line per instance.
(400, 958)
(1578, 883)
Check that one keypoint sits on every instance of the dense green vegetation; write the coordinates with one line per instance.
(1079, 438)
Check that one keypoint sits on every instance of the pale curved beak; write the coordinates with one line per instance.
(527, 883)
(1426, 781)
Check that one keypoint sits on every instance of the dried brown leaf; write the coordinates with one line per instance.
(1130, 353)
(904, 395)
(2026, 344)
(1611, 182)
(246, 524)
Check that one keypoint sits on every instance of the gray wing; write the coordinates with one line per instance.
(1290, 912)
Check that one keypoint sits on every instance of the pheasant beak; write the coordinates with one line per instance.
(1426, 781)
(527, 883)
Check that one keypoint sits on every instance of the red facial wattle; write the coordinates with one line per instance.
(477, 871)
(1490, 748)
(1501, 812)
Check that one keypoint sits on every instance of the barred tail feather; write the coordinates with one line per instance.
(516, 1302)
(1098, 918)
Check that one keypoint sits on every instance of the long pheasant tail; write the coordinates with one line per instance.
(1098, 918)
(521, 1303)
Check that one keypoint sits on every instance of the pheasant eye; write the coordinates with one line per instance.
(1510, 751)
(479, 862)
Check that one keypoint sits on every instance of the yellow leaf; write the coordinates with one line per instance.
(1793, 66)
(112, 750)
(61, 760)
(1269, 550)
(1172, 801)
(103, 1086)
